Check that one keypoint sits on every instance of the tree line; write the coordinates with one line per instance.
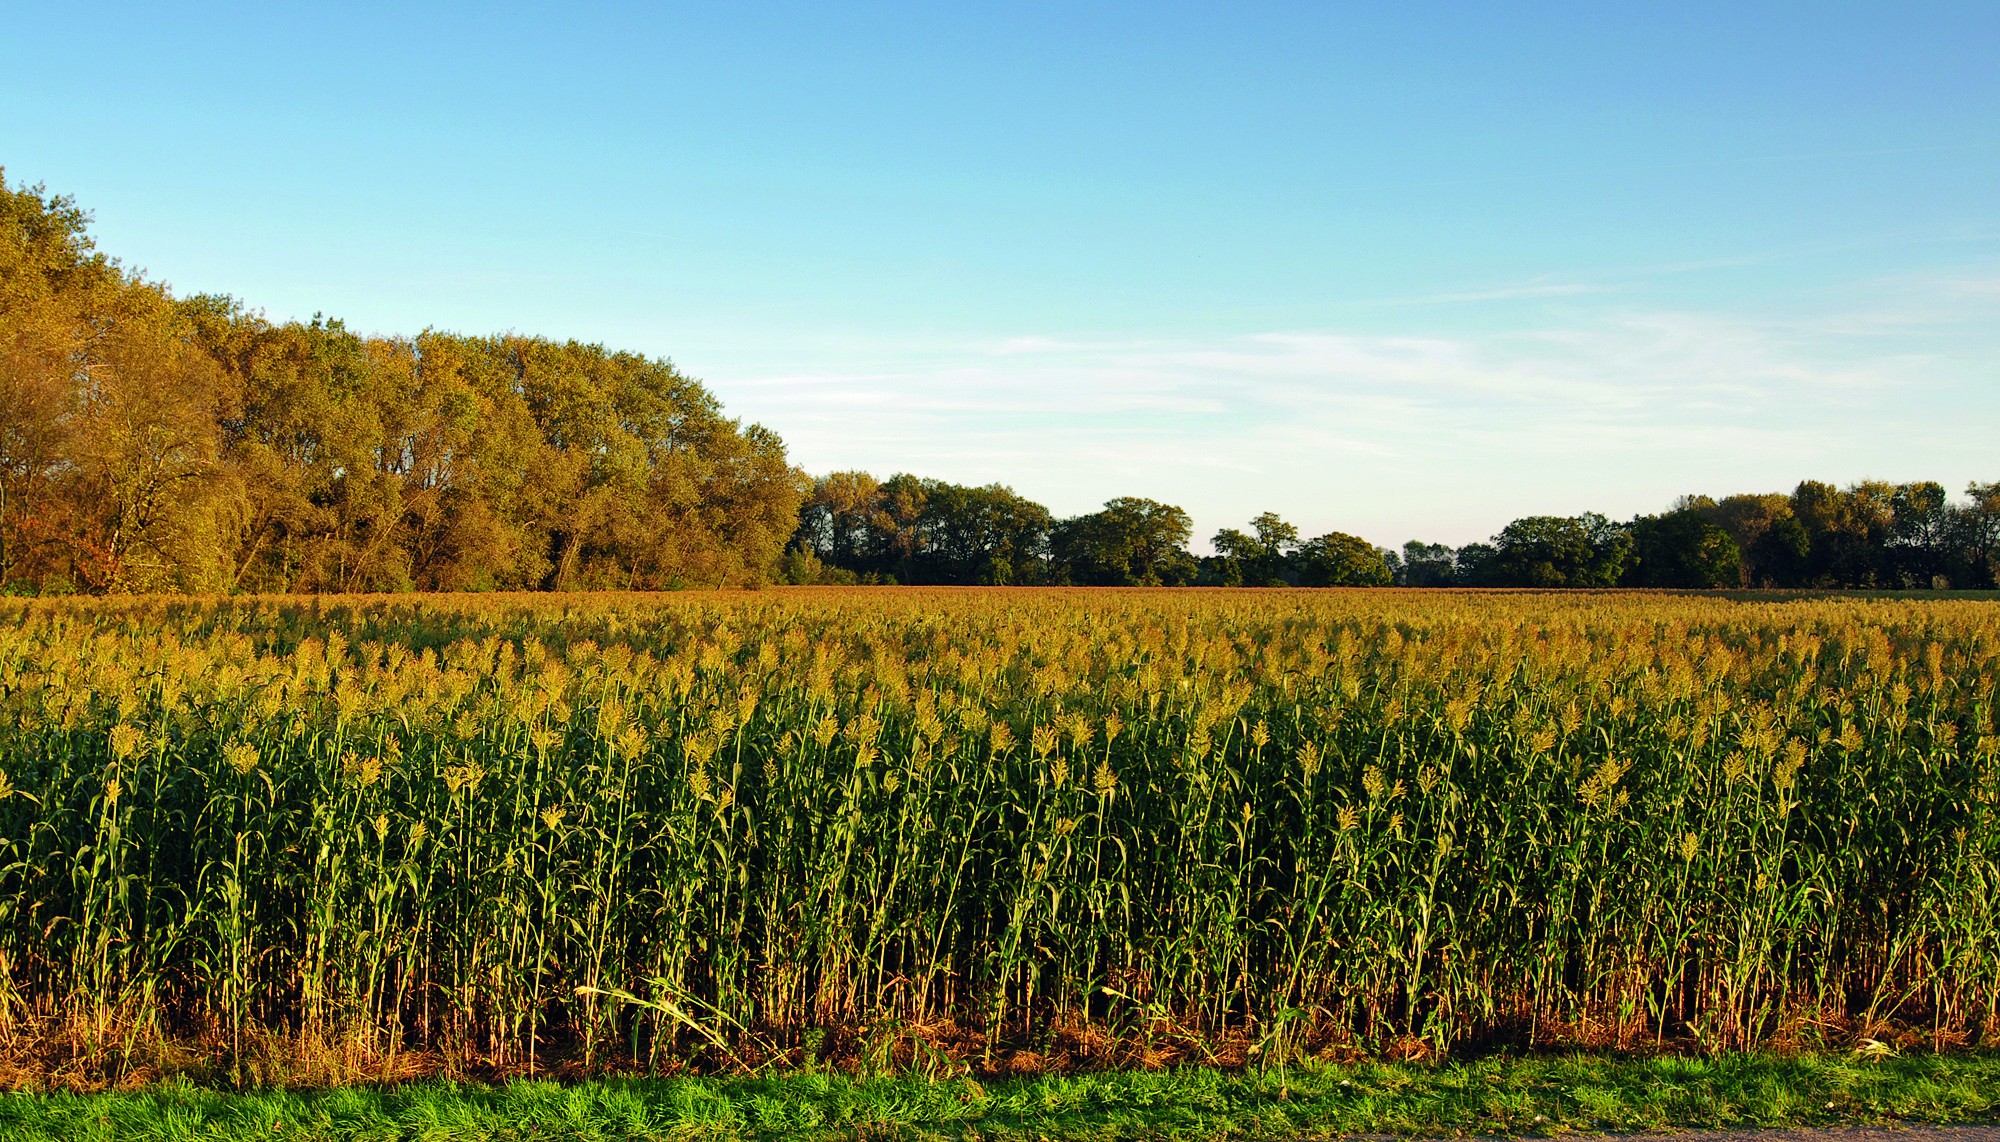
(150, 442)
(906, 529)
(156, 443)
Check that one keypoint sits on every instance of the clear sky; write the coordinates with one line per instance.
(1396, 269)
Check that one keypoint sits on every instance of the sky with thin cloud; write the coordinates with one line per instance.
(1408, 271)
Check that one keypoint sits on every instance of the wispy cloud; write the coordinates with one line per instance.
(1619, 409)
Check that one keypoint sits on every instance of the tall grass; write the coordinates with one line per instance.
(621, 831)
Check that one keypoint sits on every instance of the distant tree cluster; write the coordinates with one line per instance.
(856, 529)
(155, 443)
(906, 529)
(1867, 535)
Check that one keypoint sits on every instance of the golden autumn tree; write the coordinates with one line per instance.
(149, 443)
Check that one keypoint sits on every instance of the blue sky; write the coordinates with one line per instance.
(1399, 270)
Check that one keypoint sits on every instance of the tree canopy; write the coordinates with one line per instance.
(149, 442)
(1867, 535)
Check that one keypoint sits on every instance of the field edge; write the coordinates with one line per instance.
(1535, 1096)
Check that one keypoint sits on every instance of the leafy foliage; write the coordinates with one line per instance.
(149, 443)
(154, 443)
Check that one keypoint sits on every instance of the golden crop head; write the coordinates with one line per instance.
(1260, 734)
(973, 718)
(1349, 818)
(349, 700)
(1458, 713)
(610, 718)
(1041, 740)
(1104, 780)
(1788, 765)
(1309, 759)
(241, 757)
(1600, 790)
(1349, 686)
(632, 742)
(1698, 734)
(819, 684)
(459, 777)
(697, 750)
(863, 729)
(1000, 737)
(1735, 768)
(1373, 783)
(1078, 729)
(825, 729)
(125, 741)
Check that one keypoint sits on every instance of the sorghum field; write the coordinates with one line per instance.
(1010, 830)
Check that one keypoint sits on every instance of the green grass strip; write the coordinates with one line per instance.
(1536, 1096)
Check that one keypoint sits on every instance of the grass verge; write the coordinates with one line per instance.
(1535, 1096)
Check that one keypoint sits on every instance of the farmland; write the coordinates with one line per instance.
(292, 838)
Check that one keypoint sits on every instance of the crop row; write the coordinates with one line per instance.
(628, 830)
